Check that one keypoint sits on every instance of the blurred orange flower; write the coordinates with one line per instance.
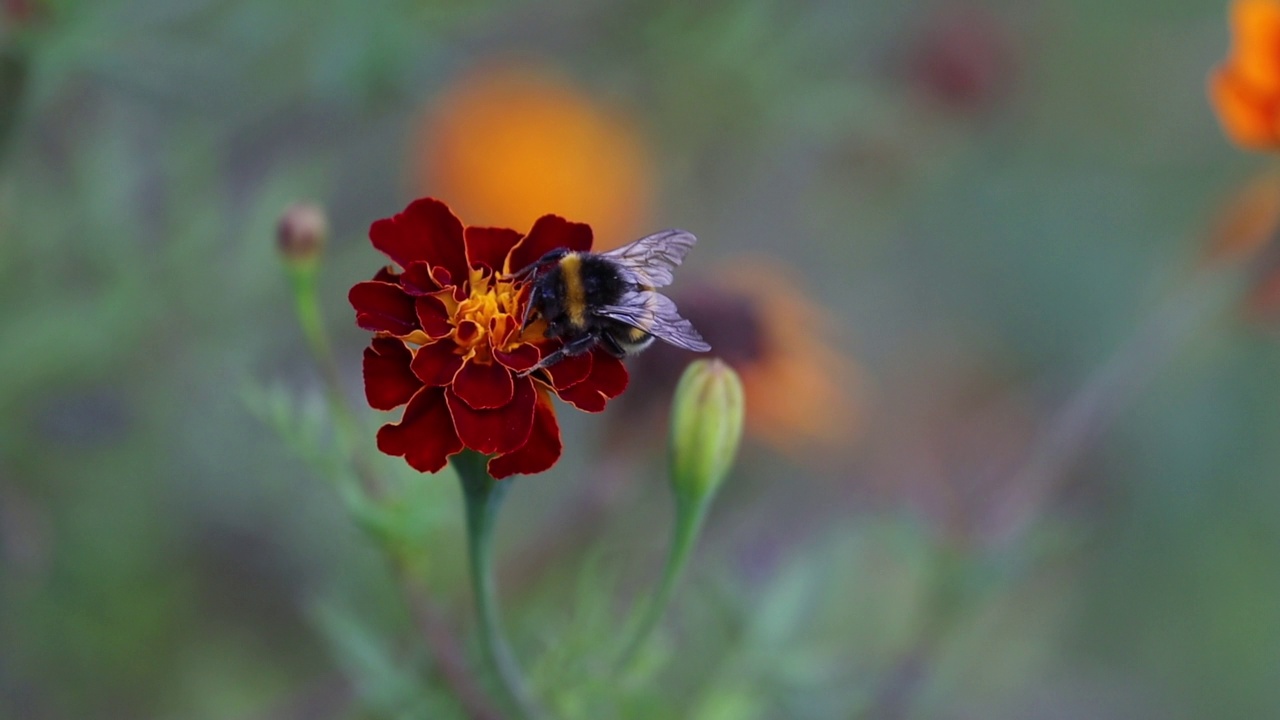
(1247, 222)
(505, 143)
(1245, 90)
(1244, 235)
(802, 393)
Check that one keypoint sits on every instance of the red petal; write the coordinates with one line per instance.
(608, 375)
(383, 307)
(500, 430)
(386, 274)
(488, 247)
(484, 387)
(417, 280)
(433, 317)
(583, 397)
(424, 437)
(608, 379)
(388, 381)
(548, 233)
(445, 280)
(570, 371)
(442, 277)
(539, 452)
(519, 359)
(428, 231)
(437, 363)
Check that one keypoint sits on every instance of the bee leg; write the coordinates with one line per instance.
(577, 346)
(535, 296)
(611, 344)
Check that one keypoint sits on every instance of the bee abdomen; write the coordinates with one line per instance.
(634, 341)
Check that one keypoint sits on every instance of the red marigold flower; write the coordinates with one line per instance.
(448, 344)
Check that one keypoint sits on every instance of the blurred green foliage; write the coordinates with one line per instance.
(170, 546)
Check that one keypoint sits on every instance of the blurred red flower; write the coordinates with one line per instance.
(963, 58)
(449, 347)
(19, 11)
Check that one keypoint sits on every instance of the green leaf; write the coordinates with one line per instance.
(385, 679)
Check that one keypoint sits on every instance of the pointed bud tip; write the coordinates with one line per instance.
(302, 231)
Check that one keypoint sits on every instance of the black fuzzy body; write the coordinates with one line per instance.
(567, 294)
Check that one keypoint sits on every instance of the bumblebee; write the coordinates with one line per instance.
(610, 299)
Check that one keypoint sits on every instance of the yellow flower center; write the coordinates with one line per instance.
(488, 318)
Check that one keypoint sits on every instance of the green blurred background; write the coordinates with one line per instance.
(988, 201)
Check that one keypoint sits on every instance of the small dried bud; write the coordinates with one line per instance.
(301, 233)
(707, 415)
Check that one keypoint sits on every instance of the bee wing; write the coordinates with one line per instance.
(656, 314)
(652, 259)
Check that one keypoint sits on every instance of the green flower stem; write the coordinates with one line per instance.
(690, 514)
(430, 620)
(428, 616)
(1089, 412)
(707, 413)
(304, 281)
(483, 496)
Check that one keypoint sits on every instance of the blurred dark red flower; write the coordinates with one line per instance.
(963, 59)
(448, 345)
(19, 11)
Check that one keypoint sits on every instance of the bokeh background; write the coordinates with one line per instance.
(1014, 443)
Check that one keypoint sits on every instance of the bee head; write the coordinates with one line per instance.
(532, 272)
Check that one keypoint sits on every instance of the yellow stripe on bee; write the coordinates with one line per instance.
(575, 297)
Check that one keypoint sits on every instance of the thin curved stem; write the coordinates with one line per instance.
(303, 278)
(1093, 407)
(430, 619)
(689, 517)
(484, 497)
(1086, 415)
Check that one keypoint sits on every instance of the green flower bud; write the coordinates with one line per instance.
(706, 427)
